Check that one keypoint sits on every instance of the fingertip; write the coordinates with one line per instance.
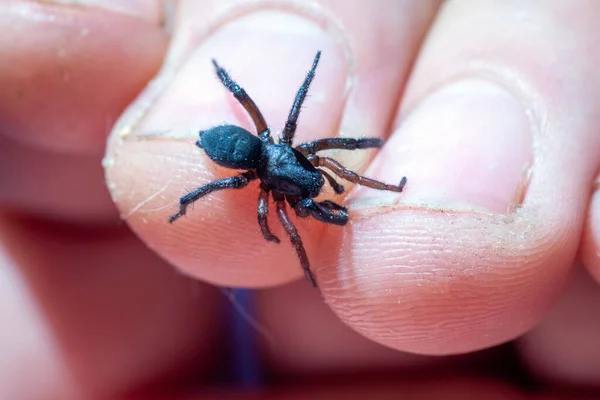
(218, 240)
(440, 281)
(151, 158)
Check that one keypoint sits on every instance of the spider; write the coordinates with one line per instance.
(292, 175)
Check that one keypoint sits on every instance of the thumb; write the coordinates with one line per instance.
(152, 161)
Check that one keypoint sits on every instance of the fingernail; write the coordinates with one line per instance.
(467, 146)
(149, 10)
(268, 53)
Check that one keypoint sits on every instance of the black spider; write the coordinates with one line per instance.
(292, 175)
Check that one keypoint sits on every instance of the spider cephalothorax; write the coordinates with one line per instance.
(291, 175)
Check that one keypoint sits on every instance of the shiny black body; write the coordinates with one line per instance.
(280, 168)
(231, 147)
(292, 176)
(285, 170)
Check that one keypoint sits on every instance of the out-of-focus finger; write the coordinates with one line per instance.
(564, 348)
(92, 313)
(458, 388)
(63, 187)
(68, 70)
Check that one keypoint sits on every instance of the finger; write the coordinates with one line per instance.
(70, 84)
(62, 187)
(563, 349)
(153, 160)
(92, 313)
(500, 145)
(68, 71)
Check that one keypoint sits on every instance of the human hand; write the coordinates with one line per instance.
(489, 108)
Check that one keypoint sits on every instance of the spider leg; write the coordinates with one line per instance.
(330, 205)
(246, 101)
(339, 189)
(235, 182)
(353, 177)
(324, 211)
(263, 212)
(287, 136)
(338, 143)
(294, 237)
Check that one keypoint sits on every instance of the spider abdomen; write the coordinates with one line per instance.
(285, 170)
(231, 146)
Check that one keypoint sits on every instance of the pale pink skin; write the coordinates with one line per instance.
(481, 248)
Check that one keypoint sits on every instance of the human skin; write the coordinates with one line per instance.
(490, 108)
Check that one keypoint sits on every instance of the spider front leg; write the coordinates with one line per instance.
(263, 213)
(324, 211)
(287, 136)
(235, 182)
(353, 177)
(246, 101)
(294, 237)
(339, 144)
